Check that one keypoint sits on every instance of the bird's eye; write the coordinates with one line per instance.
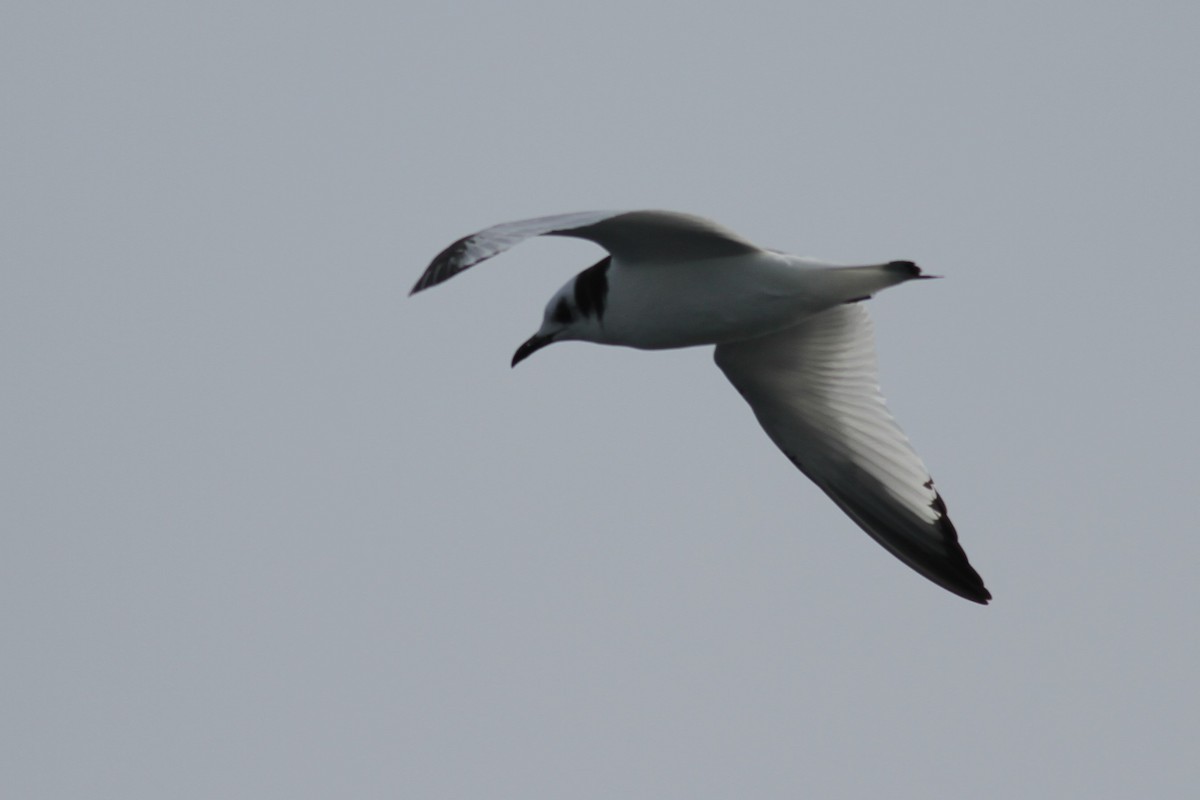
(562, 312)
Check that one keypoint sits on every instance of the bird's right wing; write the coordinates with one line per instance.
(815, 391)
(633, 236)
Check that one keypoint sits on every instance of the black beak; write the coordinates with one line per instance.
(530, 347)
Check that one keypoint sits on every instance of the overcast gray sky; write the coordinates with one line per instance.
(274, 530)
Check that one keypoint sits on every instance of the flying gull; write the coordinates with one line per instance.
(792, 336)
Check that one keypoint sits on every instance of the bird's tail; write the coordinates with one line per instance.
(853, 284)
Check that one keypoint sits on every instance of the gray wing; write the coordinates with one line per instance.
(815, 391)
(632, 236)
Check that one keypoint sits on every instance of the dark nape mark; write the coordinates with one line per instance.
(562, 312)
(591, 289)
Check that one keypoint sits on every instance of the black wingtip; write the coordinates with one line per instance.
(445, 265)
(961, 578)
(425, 281)
(944, 562)
(976, 593)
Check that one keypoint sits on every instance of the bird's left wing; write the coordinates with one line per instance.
(815, 390)
(470, 250)
(634, 236)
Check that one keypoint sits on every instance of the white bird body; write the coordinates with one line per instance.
(661, 305)
(790, 334)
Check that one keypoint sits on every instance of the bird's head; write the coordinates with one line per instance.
(574, 312)
(560, 322)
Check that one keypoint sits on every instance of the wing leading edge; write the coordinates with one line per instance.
(632, 236)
